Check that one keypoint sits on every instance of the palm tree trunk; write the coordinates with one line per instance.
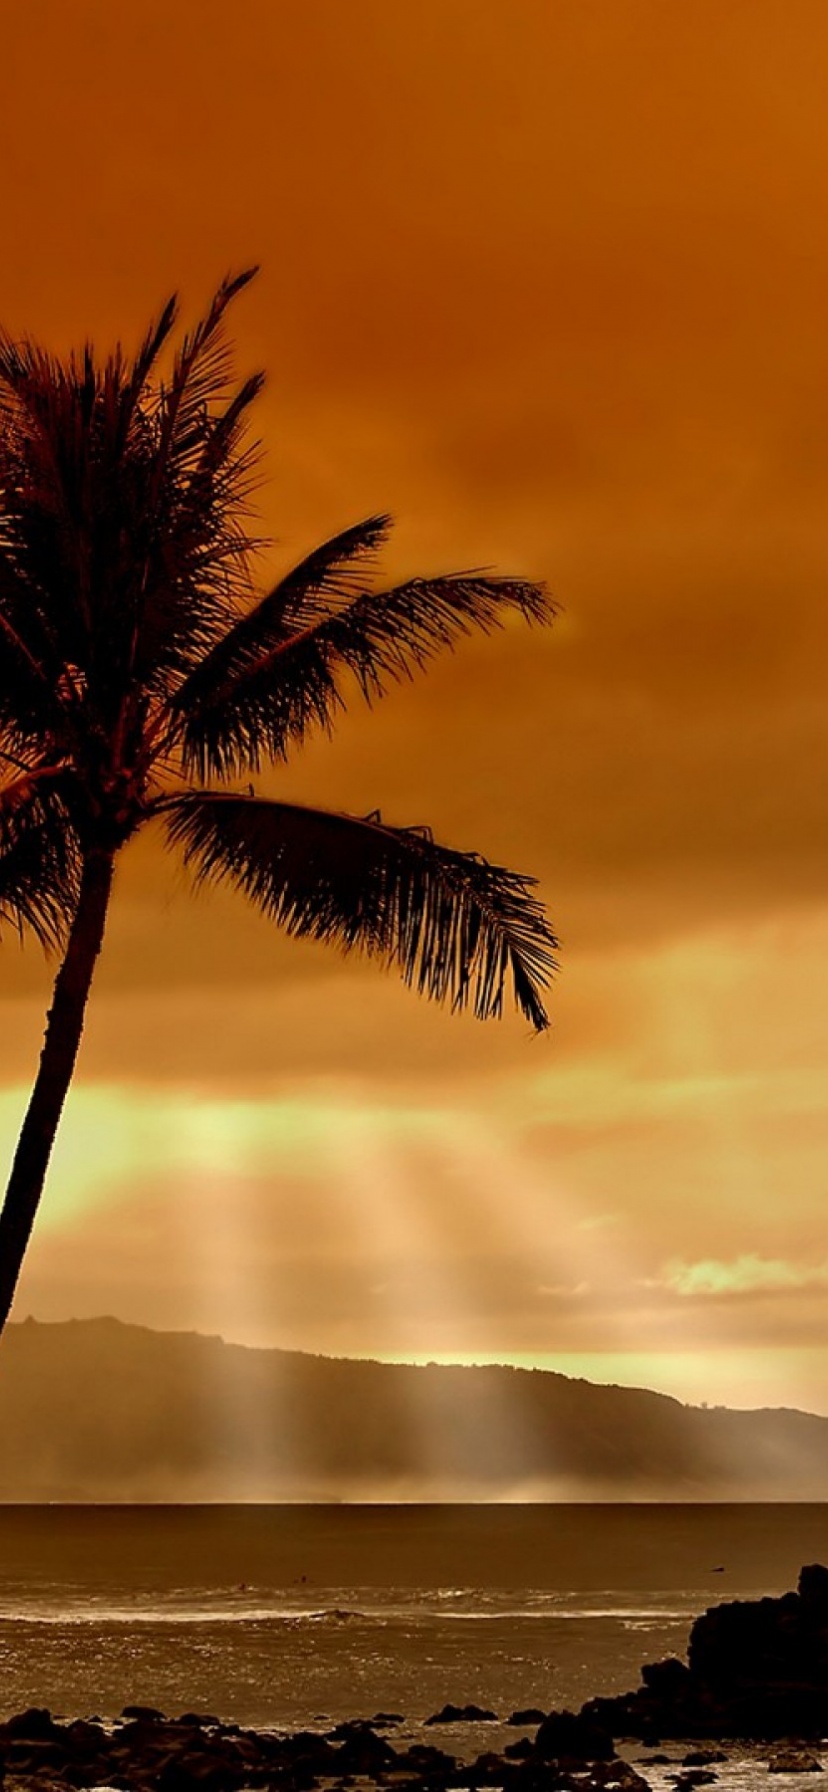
(57, 1062)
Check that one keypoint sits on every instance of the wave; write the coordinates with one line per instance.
(412, 1612)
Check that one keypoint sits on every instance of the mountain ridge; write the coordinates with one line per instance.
(103, 1410)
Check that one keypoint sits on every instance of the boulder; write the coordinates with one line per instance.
(463, 1714)
(567, 1736)
(544, 1776)
(35, 1723)
(362, 1752)
(617, 1774)
(427, 1762)
(197, 1774)
(487, 1770)
(668, 1679)
(34, 1754)
(756, 1668)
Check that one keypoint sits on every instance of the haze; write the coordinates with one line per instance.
(550, 284)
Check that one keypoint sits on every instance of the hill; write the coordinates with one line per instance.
(95, 1410)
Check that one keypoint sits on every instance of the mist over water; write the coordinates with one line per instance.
(290, 1615)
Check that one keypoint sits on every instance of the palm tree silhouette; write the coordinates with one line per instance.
(138, 668)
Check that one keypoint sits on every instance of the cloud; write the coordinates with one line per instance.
(744, 1275)
(609, 372)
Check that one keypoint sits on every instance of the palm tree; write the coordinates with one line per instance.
(141, 678)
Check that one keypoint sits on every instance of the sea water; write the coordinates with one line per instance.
(289, 1616)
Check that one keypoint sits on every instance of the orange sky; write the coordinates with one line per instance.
(549, 281)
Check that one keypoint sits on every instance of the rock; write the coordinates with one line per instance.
(703, 1757)
(574, 1776)
(695, 1776)
(667, 1679)
(521, 1750)
(33, 1754)
(400, 1781)
(463, 1714)
(617, 1773)
(563, 1735)
(544, 1776)
(420, 1758)
(756, 1669)
(813, 1587)
(35, 1722)
(794, 1761)
(148, 1712)
(384, 1719)
(311, 1752)
(194, 1776)
(362, 1752)
(487, 1770)
(529, 1716)
(86, 1735)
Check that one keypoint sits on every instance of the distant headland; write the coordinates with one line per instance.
(97, 1410)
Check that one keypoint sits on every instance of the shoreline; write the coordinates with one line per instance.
(145, 1751)
(752, 1690)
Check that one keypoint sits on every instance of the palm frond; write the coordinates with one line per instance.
(151, 347)
(457, 927)
(196, 569)
(39, 858)
(123, 550)
(201, 373)
(198, 562)
(30, 696)
(282, 668)
(334, 573)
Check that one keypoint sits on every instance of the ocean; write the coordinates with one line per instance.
(289, 1616)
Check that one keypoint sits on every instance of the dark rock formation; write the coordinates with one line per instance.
(425, 1761)
(361, 1751)
(150, 1753)
(463, 1714)
(756, 1669)
(565, 1736)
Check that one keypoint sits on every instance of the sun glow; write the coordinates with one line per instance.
(647, 1212)
(428, 1288)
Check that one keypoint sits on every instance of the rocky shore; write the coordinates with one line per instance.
(756, 1668)
(147, 1752)
(757, 1671)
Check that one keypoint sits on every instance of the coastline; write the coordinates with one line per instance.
(756, 1673)
(144, 1751)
